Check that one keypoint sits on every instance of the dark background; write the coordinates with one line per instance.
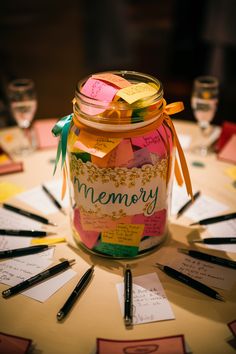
(56, 43)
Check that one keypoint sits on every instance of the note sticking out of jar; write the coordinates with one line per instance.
(121, 154)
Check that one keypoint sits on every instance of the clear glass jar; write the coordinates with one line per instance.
(120, 158)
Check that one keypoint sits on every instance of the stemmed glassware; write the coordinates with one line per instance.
(23, 104)
(204, 103)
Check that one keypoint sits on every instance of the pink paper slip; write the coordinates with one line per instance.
(164, 345)
(43, 133)
(228, 152)
(13, 345)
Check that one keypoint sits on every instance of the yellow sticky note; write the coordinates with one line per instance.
(136, 92)
(231, 172)
(113, 79)
(47, 240)
(124, 234)
(8, 190)
(96, 145)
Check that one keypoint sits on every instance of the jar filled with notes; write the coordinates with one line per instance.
(121, 146)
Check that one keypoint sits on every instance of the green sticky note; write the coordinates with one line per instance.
(84, 156)
(116, 250)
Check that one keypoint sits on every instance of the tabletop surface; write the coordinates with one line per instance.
(202, 320)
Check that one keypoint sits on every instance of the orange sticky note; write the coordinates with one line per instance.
(124, 234)
(136, 92)
(113, 79)
(118, 157)
(91, 222)
(96, 145)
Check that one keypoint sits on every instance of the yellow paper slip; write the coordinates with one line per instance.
(96, 145)
(8, 190)
(136, 92)
(231, 172)
(47, 240)
(124, 234)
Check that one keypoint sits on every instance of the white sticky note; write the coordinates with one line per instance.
(223, 229)
(11, 220)
(149, 299)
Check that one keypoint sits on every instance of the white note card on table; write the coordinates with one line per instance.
(14, 221)
(223, 229)
(149, 300)
(16, 270)
(39, 200)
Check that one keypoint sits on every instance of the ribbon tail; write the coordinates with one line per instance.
(183, 162)
(57, 156)
(64, 180)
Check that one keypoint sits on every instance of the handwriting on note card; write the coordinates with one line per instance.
(113, 79)
(96, 145)
(136, 92)
(124, 234)
(205, 272)
(154, 224)
(149, 299)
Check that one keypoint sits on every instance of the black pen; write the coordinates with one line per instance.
(28, 214)
(216, 240)
(18, 252)
(128, 295)
(215, 219)
(37, 278)
(75, 294)
(30, 233)
(188, 204)
(209, 258)
(53, 199)
(190, 282)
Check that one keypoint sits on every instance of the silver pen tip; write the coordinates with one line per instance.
(128, 321)
(193, 224)
(52, 223)
(195, 241)
(183, 250)
(219, 297)
(50, 233)
(60, 315)
(160, 266)
(6, 293)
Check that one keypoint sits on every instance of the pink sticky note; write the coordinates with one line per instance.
(152, 141)
(164, 345)
(100, 91)
(154, 224)
(165, 132)
(232, 326)
(141, 157)
(89, 238)
(124, 153)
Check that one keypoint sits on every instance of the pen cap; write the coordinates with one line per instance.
(121, 153)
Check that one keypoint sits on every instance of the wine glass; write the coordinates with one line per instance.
(204, 103)
(23, 105)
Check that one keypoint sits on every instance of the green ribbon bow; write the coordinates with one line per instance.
(61, 128)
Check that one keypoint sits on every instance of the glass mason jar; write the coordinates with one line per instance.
(121, 156)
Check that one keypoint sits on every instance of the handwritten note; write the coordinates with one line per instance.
(154, 224)
(149, 299)
(92, 222)
(100, 91)
(113, 79)
(118, 157)
(11, 220)
(205, 207)
(205, 272)
(135, 92)
(10, 242)
(17, 270)
(39, 200)
(96, 145)
(89, 238)
(124, 234)
(116, 250)
(165, 345)
(152, 141)
(223, 229)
